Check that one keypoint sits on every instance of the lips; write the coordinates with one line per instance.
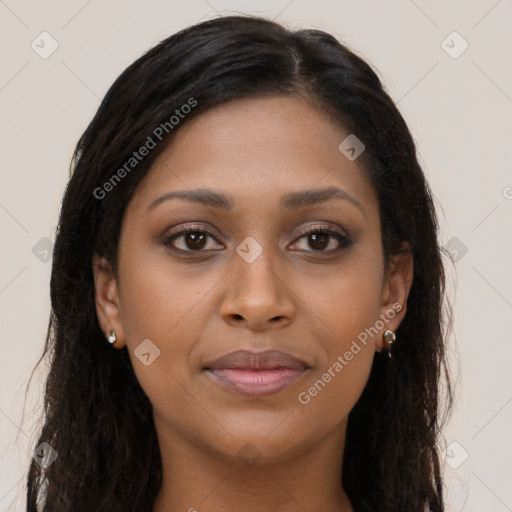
(257, 374)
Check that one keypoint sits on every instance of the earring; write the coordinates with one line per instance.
(389, 338)
(112, 338)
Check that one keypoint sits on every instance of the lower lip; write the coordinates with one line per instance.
(257, 383)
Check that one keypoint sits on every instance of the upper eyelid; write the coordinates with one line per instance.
(327, 225)
(191, 227)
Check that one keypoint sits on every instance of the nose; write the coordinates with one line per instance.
(257, 297)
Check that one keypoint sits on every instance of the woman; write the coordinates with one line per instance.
(247, 289)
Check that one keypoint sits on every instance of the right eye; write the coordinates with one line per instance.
(191, 239)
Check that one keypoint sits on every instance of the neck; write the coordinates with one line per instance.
(197, 480)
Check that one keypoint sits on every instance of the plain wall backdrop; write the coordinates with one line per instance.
(448, 65)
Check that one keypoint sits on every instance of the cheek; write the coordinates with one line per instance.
(166, 305)
(349, 305)
(348, 298)
(348, 354)
(157, 298)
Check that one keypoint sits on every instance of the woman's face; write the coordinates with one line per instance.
(249, 277)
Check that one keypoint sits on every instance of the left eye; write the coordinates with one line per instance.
(321, 240)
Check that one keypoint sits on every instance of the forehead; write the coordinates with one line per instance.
(257, 148)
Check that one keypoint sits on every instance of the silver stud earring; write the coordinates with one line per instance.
(389, 338)
(112, 338)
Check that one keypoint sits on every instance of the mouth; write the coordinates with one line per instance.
(257, 374)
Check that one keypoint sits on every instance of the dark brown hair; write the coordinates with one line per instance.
(97, 417)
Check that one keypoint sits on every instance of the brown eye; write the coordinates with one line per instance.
(324, 240)
(190, 239)
(195, 240)
(319, 241)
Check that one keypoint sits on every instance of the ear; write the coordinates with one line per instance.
(107, 299)
(395, 290)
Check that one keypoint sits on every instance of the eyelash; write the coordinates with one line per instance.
(343, 240)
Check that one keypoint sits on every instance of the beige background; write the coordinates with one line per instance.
(459, 110)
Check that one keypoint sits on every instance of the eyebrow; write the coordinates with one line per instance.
(296, 199)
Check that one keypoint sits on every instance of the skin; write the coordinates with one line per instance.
(294, 297)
